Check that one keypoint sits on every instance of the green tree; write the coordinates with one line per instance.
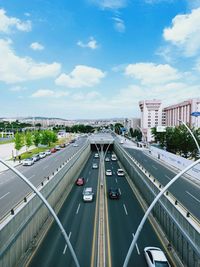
(48, 137)
(28, 139)
(36, 138)
(19, 141)
(118, 127)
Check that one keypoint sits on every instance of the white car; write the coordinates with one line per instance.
(108, 172)
(155, 257)
(121, 141)
(120, 172)
(42, 155)
(48, 152)
(107, 159)
(96, 155)
(75, 145)
(88, 194)
(28, 162)
(94, 166)
(113, 157)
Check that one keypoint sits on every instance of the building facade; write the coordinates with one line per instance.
(151, 116)
(182, 111)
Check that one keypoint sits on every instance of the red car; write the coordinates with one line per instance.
(80, 181)
(53, 150)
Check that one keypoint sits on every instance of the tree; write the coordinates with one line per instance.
(48, 137)
(118, 127)
(28, 139)
(36, 138)
(19, 141)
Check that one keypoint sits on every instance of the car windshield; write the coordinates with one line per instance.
(161, 264)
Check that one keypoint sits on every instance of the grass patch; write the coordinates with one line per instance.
(2, 142)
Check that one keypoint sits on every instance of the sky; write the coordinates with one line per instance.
(92, 59)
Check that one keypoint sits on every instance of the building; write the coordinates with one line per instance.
(182, 111)
(131, 123)
(151, 116)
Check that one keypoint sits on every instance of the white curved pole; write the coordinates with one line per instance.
(195, 140)
(48, 207)
(139, 229)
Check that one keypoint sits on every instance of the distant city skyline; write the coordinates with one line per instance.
(92, 59)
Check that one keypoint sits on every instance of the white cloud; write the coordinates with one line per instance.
(36, 46)
(17, 88)
(8, 23)
(119, 24)
(18, 69)
(49, 93)
(150, 73)
(92, 44)
(81, 76)
(185, 32)
(110, 4)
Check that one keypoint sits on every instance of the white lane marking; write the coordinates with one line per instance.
(119, 191)
(154, 167)
(32, 176)
(4, 195)
(193, 196)
(87, 180)
(78, 208)
(168, 177)
(138, 251)
(125, 209)
(89, 172)
(65, 248)
(46, 167)
(116, 180)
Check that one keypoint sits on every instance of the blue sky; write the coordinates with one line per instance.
(96, 59)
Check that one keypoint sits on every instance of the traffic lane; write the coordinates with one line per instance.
(184, 191)
(126, 214)
(14, 189)
(78, 220)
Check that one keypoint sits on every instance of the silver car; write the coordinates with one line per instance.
(155, 257)
(88, 194)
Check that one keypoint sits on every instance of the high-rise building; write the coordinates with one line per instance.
(182, 111)
(151, 116)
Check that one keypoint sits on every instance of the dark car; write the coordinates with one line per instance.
(114, 193)
(53, 150)
(62, 145)
(80, 181)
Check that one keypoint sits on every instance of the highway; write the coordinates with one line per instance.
(185, 191)
(13, 189)
(78, 220)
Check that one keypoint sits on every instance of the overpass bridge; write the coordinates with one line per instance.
(23, 230)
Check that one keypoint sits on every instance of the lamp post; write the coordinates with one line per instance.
(48, 207)
(139, 229)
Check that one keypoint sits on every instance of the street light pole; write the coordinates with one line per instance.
(48, 207)
(139, 229)
(195, 140)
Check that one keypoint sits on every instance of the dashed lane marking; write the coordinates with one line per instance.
(137, 248)
(5, 195)
(125, 209)
(65, 248)
(193, 196)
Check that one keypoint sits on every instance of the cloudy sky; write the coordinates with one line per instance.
(96, 58)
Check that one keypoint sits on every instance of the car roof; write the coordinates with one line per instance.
(157, 254)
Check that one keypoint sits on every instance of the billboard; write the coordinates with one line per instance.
(161, 129)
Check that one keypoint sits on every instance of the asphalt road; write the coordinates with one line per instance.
(185, 191)
(125, 215)
(77, 218)
(13, 189)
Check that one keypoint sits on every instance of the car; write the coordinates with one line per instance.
(75, 145)
(121, 141)
(53, 150)
(113, 193)
(80, 181)
(57, 147)
(28, 162)
(96, 155)
(88, 194)
(113, 157)
(155, 257)
(36, 157)
(48, 152)
(63, 145)
(94, 166)
(42, 155)
(108, 172)
(120, 172)
(107, 159)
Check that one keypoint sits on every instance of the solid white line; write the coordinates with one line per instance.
(78, 208)
(138, 251)
(193, 196)
(125, 209)
(65, 248)
(154, 167)
(168, 177)
(4, 195)
(116, 180)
